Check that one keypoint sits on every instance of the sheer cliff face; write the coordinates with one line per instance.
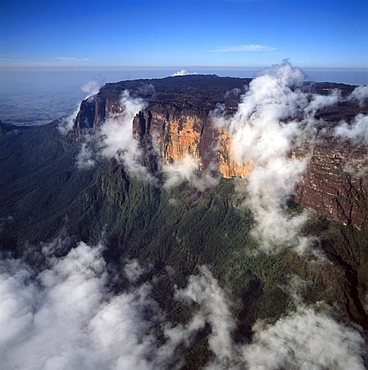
(177, 125)
(176, 135)
(332, 189)
(173, 130)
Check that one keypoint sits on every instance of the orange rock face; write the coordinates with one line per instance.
(184, 135)
(227, 166)
(182, 139)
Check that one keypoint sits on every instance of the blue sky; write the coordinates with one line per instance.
(239, 33)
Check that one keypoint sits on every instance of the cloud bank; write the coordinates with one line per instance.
(187, 169)
(305, 339)
(274, 120)
(264, 131)
(65, 317)
(360, 94)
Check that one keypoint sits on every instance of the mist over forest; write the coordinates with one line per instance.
(188, 222)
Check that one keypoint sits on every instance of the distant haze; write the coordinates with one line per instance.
(17, 81)
(38, 96)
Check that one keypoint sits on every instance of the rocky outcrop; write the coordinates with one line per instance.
(176, 123)
(227, 165)
(94, 111)
(331, 189)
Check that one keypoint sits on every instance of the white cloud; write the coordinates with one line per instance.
(264, 132)
(322, 101)
(133, 270)
(304, 340)
(359, 94)
(115, 139)
(357, 131)
(187, 169)
(73, 59)
(275, 118)
(91, 88)
(85, 158)
(213, 308)
(65, 317)
(67, 123)
(247, 48)
(183, 72)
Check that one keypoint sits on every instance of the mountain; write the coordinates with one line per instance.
(257, 187)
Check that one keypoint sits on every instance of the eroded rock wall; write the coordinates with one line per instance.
(332, 189)
(171, 130)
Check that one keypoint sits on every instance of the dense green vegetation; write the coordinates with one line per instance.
(43, 194)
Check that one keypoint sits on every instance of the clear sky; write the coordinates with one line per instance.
(244, 33)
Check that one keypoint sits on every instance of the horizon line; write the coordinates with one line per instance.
(177, 66)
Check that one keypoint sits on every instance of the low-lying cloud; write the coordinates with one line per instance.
(276, 117)
(67, 123)
(64, 316)
(274, 120)
(359, 94)
(305, 339)
(183, 72)
(356, 131)
(187, 169)
(115, 139)
(264, 131)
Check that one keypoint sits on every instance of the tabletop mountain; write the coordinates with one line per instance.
(261, 180)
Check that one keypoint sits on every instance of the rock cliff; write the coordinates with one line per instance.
(336, 184)
(331, 190)
(176, 123)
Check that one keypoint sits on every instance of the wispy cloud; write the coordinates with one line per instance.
(73, 59)
(183, 72)
(10, 61)
(248, 47)
(66, 124)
